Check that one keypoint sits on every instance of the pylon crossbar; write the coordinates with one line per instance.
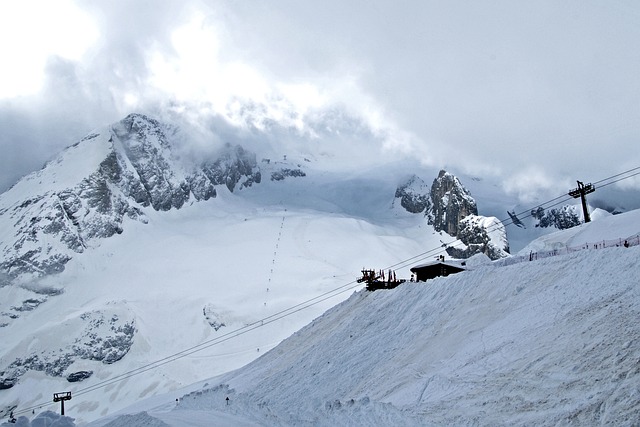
(58, 397)
(61, 397)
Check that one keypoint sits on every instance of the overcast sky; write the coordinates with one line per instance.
(538, 92)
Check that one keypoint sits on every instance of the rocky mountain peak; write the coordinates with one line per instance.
(95, 184)
(414, 195)
(233, 167)
(451, 202)
(450, 208)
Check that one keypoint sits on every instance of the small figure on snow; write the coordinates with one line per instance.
(227, 399)
(626, 244)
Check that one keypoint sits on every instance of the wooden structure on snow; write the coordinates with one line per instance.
(377, 280)
(437, 268)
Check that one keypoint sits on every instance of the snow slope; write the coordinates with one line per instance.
(609, 228)
(548, 342)
(232, 260)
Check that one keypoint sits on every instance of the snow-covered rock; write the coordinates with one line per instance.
(105, 336)
(479, 234)
(450, 208)
(562, 218)
(451, 202)
(91, 188)
(414, 195)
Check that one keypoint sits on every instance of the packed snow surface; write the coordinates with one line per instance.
(548, 342)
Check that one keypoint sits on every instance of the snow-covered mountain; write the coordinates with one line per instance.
(122, 244)
(87, 192)
(122, 252)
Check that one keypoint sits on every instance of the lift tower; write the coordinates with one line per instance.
(582, 192)
(61, 397)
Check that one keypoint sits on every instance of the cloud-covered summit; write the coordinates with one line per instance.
(537, 94)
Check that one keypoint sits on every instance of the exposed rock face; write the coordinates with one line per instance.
(213, 317)
(118, 172)
(75, 377)
(104, 336)
(449, 208)
(283, 173)
(414, 195)
(480, 234)
(451, 202)
(147, 149)
(563, 218)
(6, 383)
(235, 167)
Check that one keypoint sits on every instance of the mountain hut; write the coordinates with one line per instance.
(437, 268)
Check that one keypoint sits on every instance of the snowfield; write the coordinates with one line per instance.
(548, 342)
(190, 276)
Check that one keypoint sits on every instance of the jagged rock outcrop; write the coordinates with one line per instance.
(233, 167)
(450, 208)
(283, 173)
(95, 185)
(479, 234)
(414, 195)
(562, 218)
(451, 202)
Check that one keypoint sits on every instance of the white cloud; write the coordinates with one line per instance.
(533, 184)
(484, 87)
(30, 32)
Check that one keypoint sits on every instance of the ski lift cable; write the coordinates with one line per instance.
(236, 332)
(225, 337)
(218, 340)
(617, 175)
(618, 180)
(192, 351)
(508, 221)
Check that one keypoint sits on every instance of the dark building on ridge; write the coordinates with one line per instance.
(437, 268)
